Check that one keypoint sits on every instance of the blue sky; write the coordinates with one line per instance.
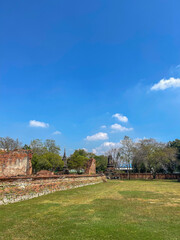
(73, 70)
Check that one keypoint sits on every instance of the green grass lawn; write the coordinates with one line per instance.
(112, 210)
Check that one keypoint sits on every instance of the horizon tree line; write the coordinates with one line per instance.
(144, 156)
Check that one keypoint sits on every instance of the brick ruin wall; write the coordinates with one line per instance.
(15, 163)
(91, 166)
(145, 176)
(18, 189)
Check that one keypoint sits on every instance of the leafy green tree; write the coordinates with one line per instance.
(101, 163)
(47, 161)
(43, 163)
(45, 155)
(55, 160)
(26, 147)
(78, 159)
(35, 159)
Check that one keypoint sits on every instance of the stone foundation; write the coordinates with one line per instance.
(18, 189)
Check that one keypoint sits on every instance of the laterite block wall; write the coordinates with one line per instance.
(18, 189)
(15, 163)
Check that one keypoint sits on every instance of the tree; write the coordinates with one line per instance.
(124, 154)
(51, 146)
(45, 155)
(152, 156)
(101, 163)
(26, 147)
(9, 144)
(37, 147)
(142, 149)
(155, 161)
(176, 144)
(55, 160)
(78, 159)
(171, 161)
(39, 162)
(47, 161)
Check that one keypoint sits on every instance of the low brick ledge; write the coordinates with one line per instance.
(34, 177)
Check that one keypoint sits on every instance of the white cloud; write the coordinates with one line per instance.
(85, 149)
(118, 127)
(97, 136)
(103, 126)
(94, 151)
(120, 117)
(56, 133)
(106, 146)
(166, 83)
(34, 123)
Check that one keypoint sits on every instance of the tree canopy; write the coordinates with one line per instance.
(145, 155)
(46, 155)
(9, 144)
(176, 144)
(78, 159)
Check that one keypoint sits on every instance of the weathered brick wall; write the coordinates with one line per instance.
(91, 166)
(114, 175)
(15, 163)
(18, 189)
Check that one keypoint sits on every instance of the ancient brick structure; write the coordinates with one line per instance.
(44, 173)
(21, 188)
(147, 176)
(91, 166)
(15, 163)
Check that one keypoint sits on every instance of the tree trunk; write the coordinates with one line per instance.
(128, 172)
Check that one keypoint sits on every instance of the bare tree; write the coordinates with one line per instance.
(125, 153)
(114, 153)
(37, 146)
(51, 146)
(9, 144)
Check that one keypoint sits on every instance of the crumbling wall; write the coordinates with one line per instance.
(146, 176)
(15, 163)
(23, 188)
(91, 166)
(44, 173)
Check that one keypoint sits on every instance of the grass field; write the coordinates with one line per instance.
(112, 210)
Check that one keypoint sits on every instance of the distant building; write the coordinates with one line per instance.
(124, 168)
